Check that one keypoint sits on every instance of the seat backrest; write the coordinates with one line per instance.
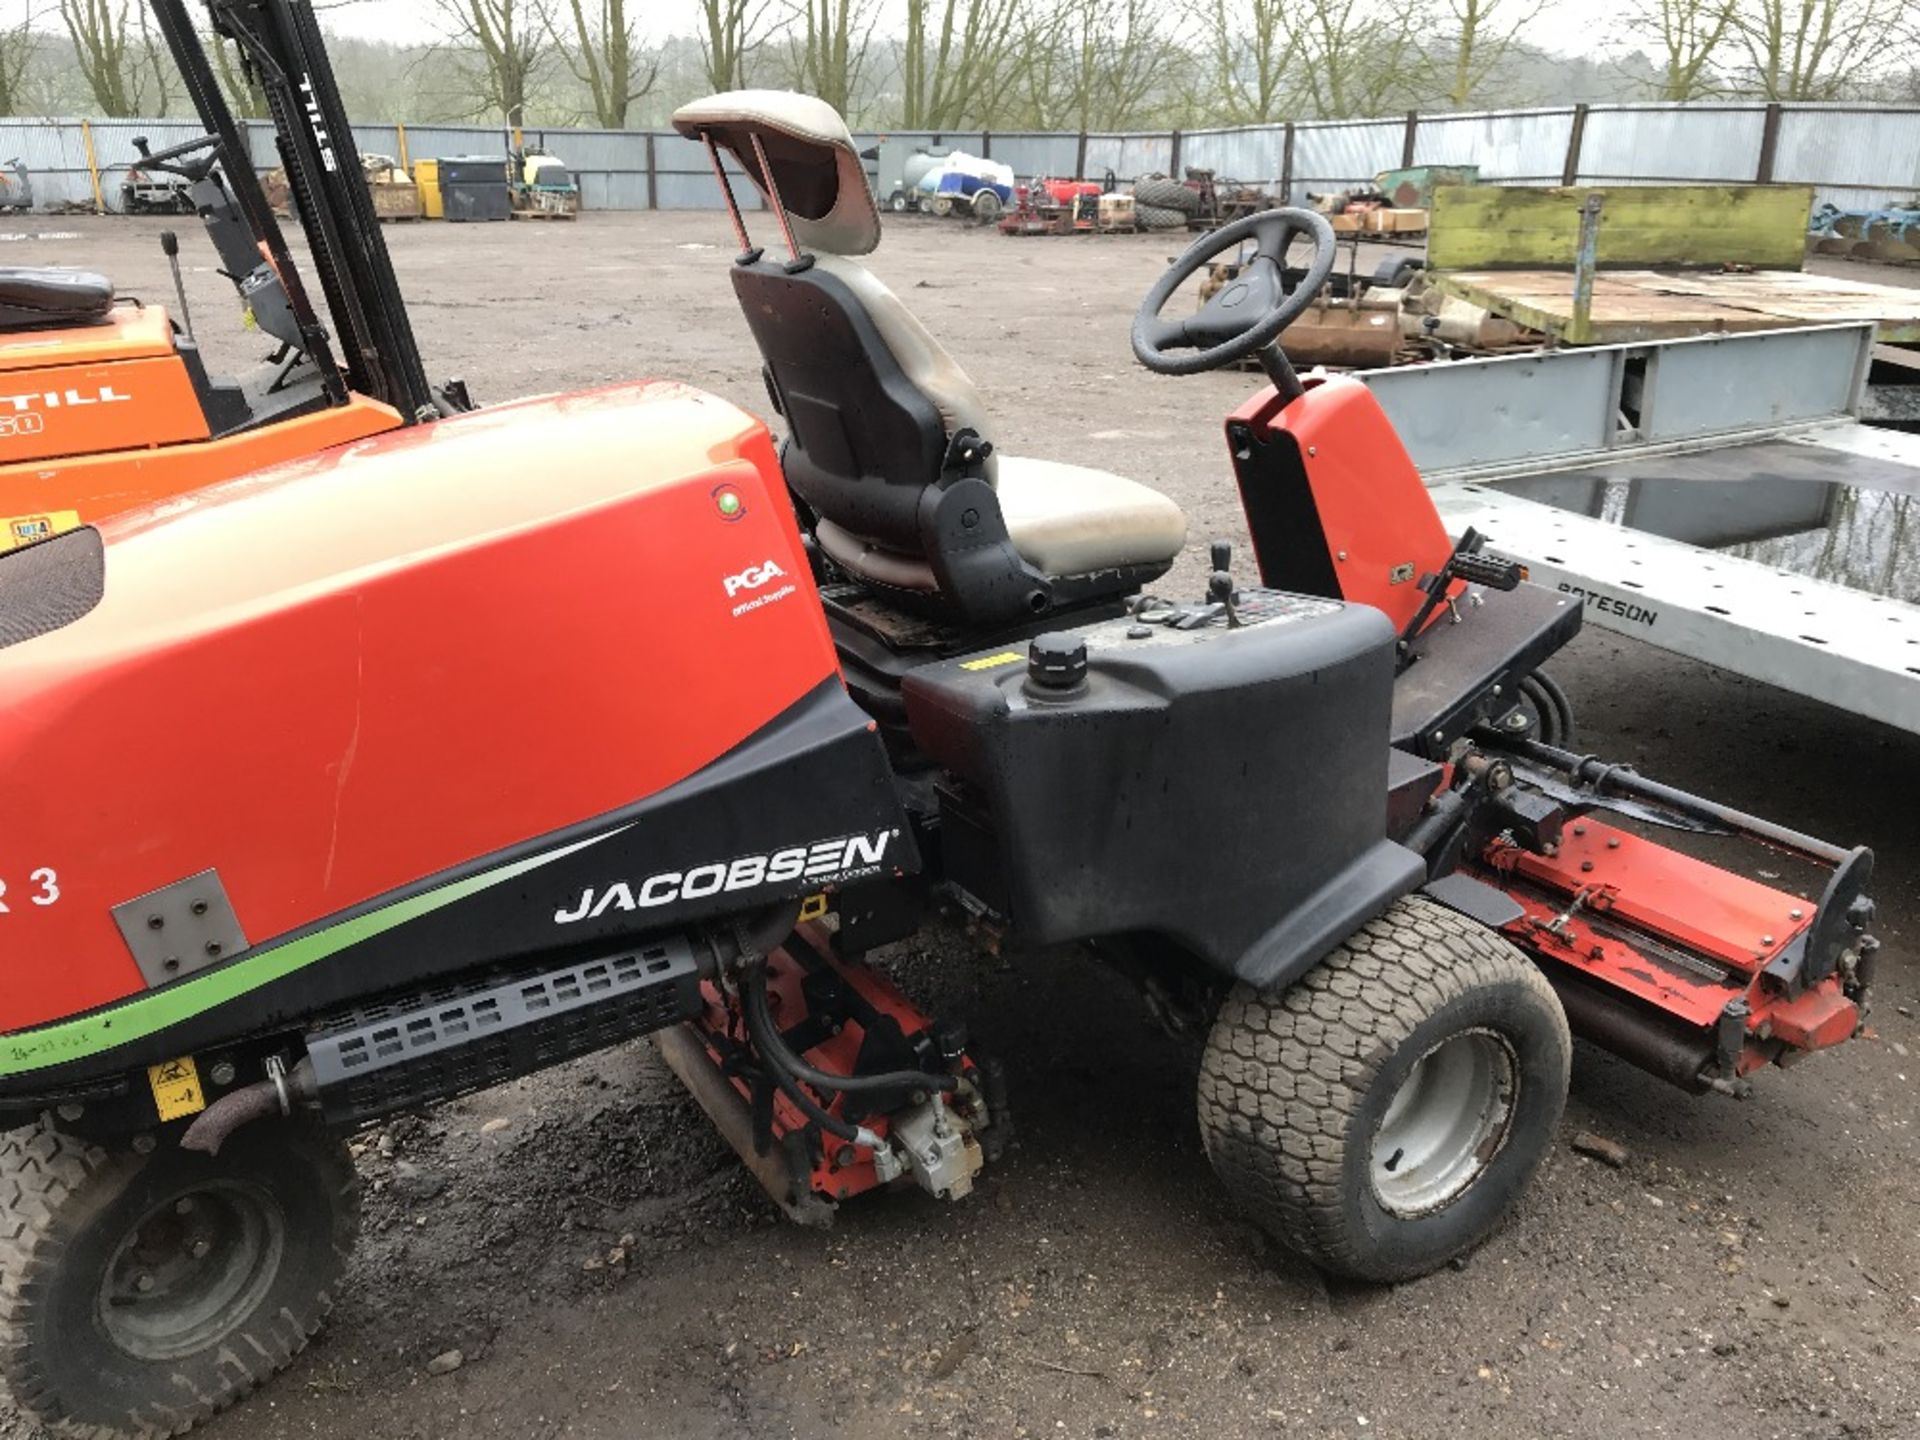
(871, 401)
(879, 416)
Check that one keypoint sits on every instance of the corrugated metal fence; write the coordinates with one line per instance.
(1856, 156)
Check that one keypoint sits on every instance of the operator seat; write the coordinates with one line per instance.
(890, 449)
(41, 297)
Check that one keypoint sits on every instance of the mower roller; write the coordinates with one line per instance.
(410, 766)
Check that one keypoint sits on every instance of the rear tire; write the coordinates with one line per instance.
(1152, 217)
(1382, 1114)
(142, 1294)
(986, 207)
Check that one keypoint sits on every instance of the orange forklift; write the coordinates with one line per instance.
(106, 402)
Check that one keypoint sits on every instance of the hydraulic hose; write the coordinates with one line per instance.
(1553, 706)
(766, 1039)
(777, 1053)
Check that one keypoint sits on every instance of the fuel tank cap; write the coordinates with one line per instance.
(1057, 661)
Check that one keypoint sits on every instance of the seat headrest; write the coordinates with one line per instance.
(822, 183)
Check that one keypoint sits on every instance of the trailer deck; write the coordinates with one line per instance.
(1641, 305)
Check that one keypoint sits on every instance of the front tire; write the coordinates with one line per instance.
(142, 1294)
(1382, 1114)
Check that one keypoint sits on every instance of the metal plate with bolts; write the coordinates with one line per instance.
(181, 928)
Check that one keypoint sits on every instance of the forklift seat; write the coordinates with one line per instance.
(40, 297)
(889, 442)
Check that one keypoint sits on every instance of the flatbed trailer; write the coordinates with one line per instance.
(1715, 496)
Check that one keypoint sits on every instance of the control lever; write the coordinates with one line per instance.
(1467, 562)
(170, 246)
(1220, 583)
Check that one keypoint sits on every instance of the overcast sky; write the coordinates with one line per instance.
(1563, 25)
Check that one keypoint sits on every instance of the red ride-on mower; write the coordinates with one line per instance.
(311, 820)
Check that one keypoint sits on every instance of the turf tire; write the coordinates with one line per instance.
(1294, 1087)
(66, 1205)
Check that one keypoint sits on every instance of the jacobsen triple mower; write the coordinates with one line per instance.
(424, 762)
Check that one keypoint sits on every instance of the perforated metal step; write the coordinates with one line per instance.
(413, 1047)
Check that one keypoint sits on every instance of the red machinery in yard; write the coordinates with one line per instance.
(419, 763)
(1053, 207)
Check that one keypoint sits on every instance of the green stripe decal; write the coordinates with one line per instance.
(147, 1014)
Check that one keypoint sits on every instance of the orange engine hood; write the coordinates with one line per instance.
(332, 678)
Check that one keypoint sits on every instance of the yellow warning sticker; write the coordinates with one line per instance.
(993, 662)
(176, 1088)
(26, 529)
(814, 906)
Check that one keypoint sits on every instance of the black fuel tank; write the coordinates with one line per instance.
(1224, 787)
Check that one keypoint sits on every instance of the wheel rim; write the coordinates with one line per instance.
(1445, 1123)
(192, 1269)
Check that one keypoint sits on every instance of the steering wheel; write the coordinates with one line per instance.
(160, 159)
(1248, 313)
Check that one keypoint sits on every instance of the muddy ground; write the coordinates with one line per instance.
(605, 1270)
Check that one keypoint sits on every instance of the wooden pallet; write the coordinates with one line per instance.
(1636, 305)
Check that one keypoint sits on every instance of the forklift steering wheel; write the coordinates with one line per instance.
(1248, 313)
(162, 159)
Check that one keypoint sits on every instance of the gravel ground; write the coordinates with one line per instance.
(594, 1253)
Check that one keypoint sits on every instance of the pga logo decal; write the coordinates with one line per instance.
(753, 577)
(753, 584)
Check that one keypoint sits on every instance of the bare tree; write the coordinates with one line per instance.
(1090, 65)
(123, 68)
(605, 58)
(19, 43)
(953, 63)
(731, 30)
(1139, 64)
(1815, 49)
(1256, 46)
(1357, 58)
(1688, 36)
(1484, 33)
(827, 45)
(510, 41)
(244, 94)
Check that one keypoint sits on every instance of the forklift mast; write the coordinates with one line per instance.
(282, 49)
